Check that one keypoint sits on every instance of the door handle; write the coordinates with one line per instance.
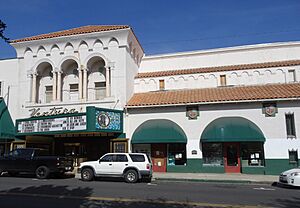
(110, 164)
(126, 164)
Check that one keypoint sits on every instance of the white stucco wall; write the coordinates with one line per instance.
(9, 78)
(111, 46)
(274, 128)
(222, 57)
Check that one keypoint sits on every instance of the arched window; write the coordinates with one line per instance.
(96, 79)
(44, 86)
(70, 80)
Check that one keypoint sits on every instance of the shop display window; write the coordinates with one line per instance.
(177, 154)
(252, 154)
(212, 154)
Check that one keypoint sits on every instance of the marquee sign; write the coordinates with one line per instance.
(108, 120)
(71, 123)
(59, 121)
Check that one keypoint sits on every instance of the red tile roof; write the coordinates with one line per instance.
(216, 95)
(218, 69)
(74, 31)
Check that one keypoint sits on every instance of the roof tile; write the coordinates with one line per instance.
(214, 95)
(74, 31)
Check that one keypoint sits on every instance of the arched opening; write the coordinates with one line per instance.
(44, 83)
(70, 80)
(232, 144)
(97, 82)
(163, 140)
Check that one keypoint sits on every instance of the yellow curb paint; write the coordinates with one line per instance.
(150, 201)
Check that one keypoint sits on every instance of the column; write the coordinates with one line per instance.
(33, 90)
(59, 85)
(80, 83)
(54, 86)
(107, 81)
(84, 84)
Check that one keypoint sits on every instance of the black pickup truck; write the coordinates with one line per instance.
(37, 161)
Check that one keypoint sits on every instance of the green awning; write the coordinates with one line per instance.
(158, 131)
(232, 129)
(7, 128)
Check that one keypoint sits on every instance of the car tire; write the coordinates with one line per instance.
(42, 172)
(131, 176)
(87, 174)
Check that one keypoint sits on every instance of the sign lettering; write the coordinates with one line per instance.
(36, 112)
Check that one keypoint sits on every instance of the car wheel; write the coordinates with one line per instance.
(87, 174)
(42, 172)
(131, 176)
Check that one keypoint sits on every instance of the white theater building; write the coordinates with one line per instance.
(91, 90)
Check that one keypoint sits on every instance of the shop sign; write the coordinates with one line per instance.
(36, 112)
(270, 109)
(108, 120)
(72, 123)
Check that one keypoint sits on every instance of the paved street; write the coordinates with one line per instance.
(70, 192)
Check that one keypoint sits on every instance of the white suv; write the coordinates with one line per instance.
(130, 166)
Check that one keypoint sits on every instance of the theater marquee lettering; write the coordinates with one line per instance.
(70, 123)
(36, 112)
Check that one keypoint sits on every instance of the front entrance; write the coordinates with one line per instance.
(232, 162)
(159, 157)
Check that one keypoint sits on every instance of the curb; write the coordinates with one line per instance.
(212, 181)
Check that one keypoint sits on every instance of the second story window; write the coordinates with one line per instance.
(290, 125)
(74, 92)
(48, 93)
(293, 156)
(291, 76)
(100, 90)
(223, 80)
(161, 84)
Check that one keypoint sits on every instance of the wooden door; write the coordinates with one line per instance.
(232, 162)
(159, 157)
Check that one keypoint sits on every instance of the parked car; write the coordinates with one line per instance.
(130, 166)
(36, 161)
(290, 177)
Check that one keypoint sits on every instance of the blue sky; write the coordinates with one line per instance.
(162, 26)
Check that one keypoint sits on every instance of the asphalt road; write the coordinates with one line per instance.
(28, 192)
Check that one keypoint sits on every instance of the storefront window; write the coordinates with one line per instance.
(252, 154)
(177, 154)
(212, 154)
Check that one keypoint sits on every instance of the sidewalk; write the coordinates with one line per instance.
(215, 177)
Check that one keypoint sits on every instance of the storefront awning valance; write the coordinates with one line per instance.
(158, 131)
(7, 128)
(232, 129)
